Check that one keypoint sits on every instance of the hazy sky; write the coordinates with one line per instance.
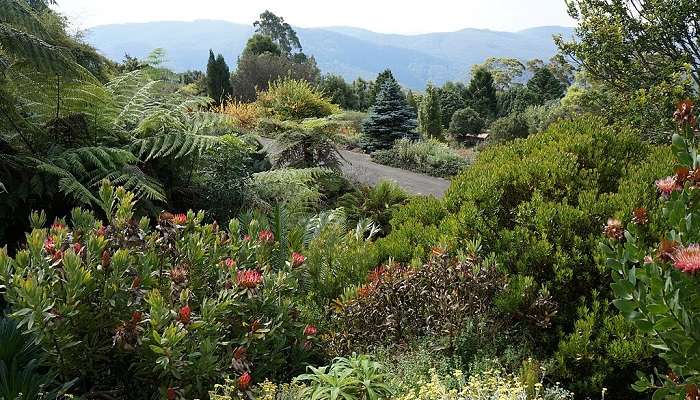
(391, 16)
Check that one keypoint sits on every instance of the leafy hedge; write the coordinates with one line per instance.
(430, 157)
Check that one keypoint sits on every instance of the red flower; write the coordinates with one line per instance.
(180, 219)
(266, 236)
(106, 259)
(172, 395)
(240, 353)
(57, 256)
(100, 231)
(298, 259)
(230, 263)
(136, 317)
(77, 247)
(57, 226)
(687, 259)
(249, 279)
(246, 238)
(667, 186)
(136, 283)
(185, 314)
(49, 245)
(684, 113)
(310, 330)
(244, 382)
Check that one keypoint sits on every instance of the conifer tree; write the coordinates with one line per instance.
(382, 78)
(545, 86)
(390, 119)
(450, 102)
(481, 94)
(430, 114)
(218, 78)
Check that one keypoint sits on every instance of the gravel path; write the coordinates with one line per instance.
(361, 168)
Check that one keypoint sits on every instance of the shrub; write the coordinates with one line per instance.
(291, 99)
(539, 118)
(465, 122)
(374, 203)
(167, 310)
(654, 276)
(513, 126)
(430, 157)
(352, 378)
(245, 115)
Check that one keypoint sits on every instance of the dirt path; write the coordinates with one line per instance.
(361, 168)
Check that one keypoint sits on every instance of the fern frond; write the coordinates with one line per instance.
(30, 49)
(179, 144)
(20, 15)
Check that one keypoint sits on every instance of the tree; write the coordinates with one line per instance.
(389, 119)
(545, 86)
(450, 101)
(255, 72)
(562, 69)
(515, 99)
(430, 114)
(360, 88)
(632, 44)
(466, 122)
(280, 32)
(504, 70)
(260, 44)
(481, 94)
(374, 87)
(130, 63)
(218, 78)
(412, 101)
(338, 91)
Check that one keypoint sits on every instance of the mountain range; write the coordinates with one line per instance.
(350, 52)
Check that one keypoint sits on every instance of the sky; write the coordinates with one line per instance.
(385, 16)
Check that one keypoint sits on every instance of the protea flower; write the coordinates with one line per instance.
(310, 330)
(246, 238)
(667, 249)
(77, 247)
(49, 245)
(57, 226)
(180, 219)
(105, 259)
(100, 231)
(684, 113)
(614, 229)
(240, 353)
(640, 216)
(185, 314)
(136, 317)
(249, 279)
(266, 236)
(687, 259)
(297, 259)
(171, 393)
(230, 263)
(136, 283)
(244, 382)
(667, 186)
(178, 275)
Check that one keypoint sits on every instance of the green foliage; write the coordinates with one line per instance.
(376, 86)
(654, 283)
(514, 100)
(389, 119)
(451, 101)
(218, 78)
(505, 71)
(339, 92)
(310, 148)
(280, 32)
(465, 122)
(430, 113)
(260, 44)
(353, 378)
(481, 94)
(125, 305)
(430, 157)
(504, 129)
(361, 90)
(544, 86)
(291, 99)
(374, 203)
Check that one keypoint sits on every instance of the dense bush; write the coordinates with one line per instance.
(513, 126)
(538, 204)
(245, 115)
(168, 309)
(465, 122)
(355, 377)
(374, 203)
(290, 99)
(430, 157)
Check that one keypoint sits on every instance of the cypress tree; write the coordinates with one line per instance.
(430, 114)
(218, 78)
(451, 101)
(482, 94)
(390, 119)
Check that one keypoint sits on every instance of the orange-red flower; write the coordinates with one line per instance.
(180, 219)
(310, 330)
(185, 314)
(684, 113)
(49, 245)
(667, 249)
(614, 229)
(297, 259)
(172, 395)
(57, 226)
(240, 353)
(77, 247)
(687, 259)
(136, 317)
(244, 381)
(249, 279)
(266, 236)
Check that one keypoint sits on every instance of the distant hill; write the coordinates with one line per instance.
(350, 52)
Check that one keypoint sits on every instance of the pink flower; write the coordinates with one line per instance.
(49, 245)
(180, 219)
(100, 231)
(185, 314)
(230, 263)
(298, 259)
(310, 330)
(648, 260)
(687, 259)
(77, 247)
(246, 238)
(249, 279)
(266, 236)
(667, 186)
(614, 229)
